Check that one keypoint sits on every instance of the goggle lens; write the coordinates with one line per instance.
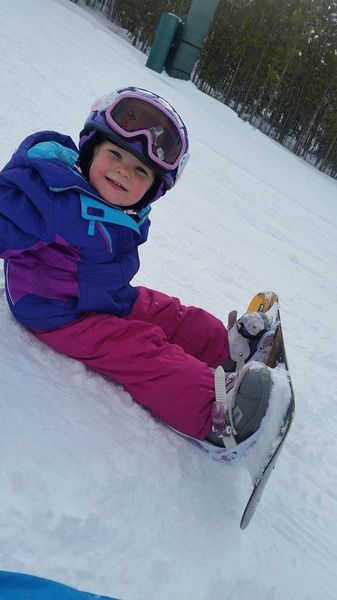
(135, 116)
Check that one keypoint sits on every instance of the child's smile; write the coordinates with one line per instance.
(118, 176)
(115, 184)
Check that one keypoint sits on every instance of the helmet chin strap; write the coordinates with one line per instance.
(152, 194)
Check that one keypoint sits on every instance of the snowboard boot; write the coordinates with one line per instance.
(241, 403)
(244, 337)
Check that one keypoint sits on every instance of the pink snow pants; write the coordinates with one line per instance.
(163, 353)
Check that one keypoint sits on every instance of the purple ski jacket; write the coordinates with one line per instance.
(66, 252)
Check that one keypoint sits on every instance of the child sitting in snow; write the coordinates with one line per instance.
(70, 227)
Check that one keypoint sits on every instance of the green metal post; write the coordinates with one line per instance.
(162, 42)
(192, 38)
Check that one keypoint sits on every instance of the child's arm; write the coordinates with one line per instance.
(24, 223)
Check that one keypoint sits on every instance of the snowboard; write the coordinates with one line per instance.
(267, 302)
(271, 352)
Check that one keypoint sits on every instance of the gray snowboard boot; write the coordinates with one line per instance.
(241, 403)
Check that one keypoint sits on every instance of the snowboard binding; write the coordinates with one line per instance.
(243, 339)
(240, 404)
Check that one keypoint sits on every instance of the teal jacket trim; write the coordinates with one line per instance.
(49, 150)
(92, 211)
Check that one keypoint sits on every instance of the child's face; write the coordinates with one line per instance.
(118, 176)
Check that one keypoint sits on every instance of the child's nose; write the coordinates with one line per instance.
(124, 169)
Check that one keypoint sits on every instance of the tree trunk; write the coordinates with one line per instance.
(256, 70)
(327, 155)
(238, 66)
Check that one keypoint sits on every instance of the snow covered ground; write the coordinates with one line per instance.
(94, 492)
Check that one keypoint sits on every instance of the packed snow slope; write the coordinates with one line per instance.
(95, 492)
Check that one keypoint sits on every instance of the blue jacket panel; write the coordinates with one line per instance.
(66, 251)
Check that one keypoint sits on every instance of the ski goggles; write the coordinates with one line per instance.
(139, 112)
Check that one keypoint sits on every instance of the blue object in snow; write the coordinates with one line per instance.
(19, 586)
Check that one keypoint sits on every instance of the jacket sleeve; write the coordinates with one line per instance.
(26, 218)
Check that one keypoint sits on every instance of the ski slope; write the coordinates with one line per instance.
(96, 493)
